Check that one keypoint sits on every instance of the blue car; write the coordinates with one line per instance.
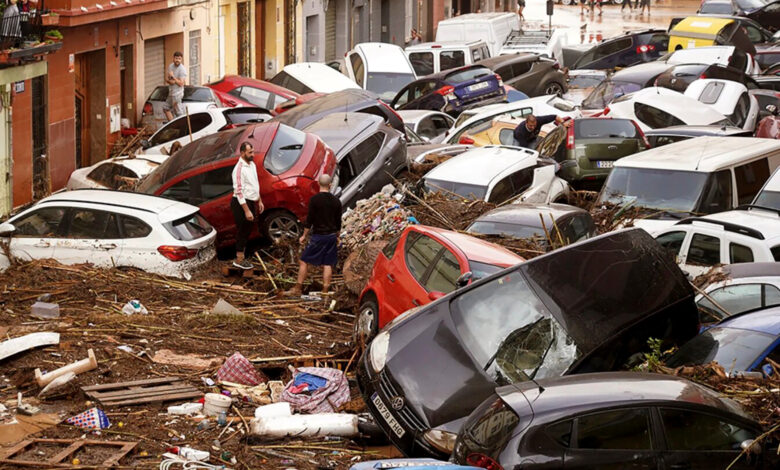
(740, 343)
(452, 91)
(633, 47)
(416, 464)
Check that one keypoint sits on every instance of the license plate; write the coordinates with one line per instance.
(605, 164)
(389, 419)
(479, 86)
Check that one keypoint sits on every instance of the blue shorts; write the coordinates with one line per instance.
(322, 250)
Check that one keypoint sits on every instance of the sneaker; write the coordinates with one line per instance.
(244, 264)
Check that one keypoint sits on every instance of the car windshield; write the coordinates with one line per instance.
(285, 150)
(607, 91)
(734, 349)
(386, 84)
(510, 333)
(471, 191)
(506, 229)
(604, 128)
(716, 8)
(752, 4)
(480, 270)
(585, 81)
(769, 199)
(665, 190)
(467, 75)
(111, 175)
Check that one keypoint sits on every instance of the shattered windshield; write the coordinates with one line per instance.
(665, 190)
(608, 91)
(510, 333)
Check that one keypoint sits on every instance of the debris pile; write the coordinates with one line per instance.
(452, 213)
(377, 218)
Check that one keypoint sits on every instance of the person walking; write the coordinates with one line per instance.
(645, 3)
(527, 131)
(324, 223)
(176, 79)
(598, 3)
(626, 3)
(520, 8)
(245, 204)
(583, 9)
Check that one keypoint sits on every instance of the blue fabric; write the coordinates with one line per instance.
(314, 382)
(322, 250)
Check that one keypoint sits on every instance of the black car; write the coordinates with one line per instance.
(530, 73)
(452, 91)
(352, 100)
(678, 77)
(623, 82)
(574, 310)
(369, 153)
(667, 135)
(764, 12)
(615, 420)
(622, 51)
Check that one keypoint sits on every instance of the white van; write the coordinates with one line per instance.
(379, 67)
(703, 175)
(308, 77)
(433, 57)
(493, 28)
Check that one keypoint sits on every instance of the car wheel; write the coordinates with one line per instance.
(281, 225)
(367, 321)
(553, 88)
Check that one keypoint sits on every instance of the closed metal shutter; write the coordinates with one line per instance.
(330, 32)
(154, 65)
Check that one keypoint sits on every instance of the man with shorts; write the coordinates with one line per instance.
(175, 78)
(324, 223)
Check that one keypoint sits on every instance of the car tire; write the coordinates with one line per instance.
(366, 321)
(279, 225)
(553, 88)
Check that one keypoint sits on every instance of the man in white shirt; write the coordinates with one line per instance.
(176, 79)
(245, 204)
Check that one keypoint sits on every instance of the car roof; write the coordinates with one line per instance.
(166, 209)
(704, 154)
(672, 102)
(425, 46)
(239, 80)
(696, 131)
(699, 22)
(640, 73)
(414, 115)
(343, 100)
(474, 248)
(728, 97)
(604, 389)
(482, 165)
(528, 214)
(383, 57)
(764, 221)
(337, 130)
(499, 108)
(499, 60)
(324, 78)
(708, 54)
(748, 270)
(764, 321)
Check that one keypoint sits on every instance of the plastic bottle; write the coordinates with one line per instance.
(189, 453)
(222, 419)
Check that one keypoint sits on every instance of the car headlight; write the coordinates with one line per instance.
(377, 352)
(443, 441)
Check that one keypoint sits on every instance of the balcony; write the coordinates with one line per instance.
(26, 36)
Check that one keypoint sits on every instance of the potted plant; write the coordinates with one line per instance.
(49, 19)
(53, 36)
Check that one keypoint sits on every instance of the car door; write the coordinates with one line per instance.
(367, 172)
(697, 440)
(613, 439)
(701, 253)
(137, 248)
(90, 236)
(737, 298)
(35, 233)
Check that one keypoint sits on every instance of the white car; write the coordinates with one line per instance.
(737, 236)
(380, 68)
(536, 41)
(769, 196)
(658, 107)
(747, 287)
(470, 120)
(312, 77)
(433, 57)
(196, 98)
(111, 229)
(185, 130)
(728, 56)
(115, 173)
(729, 98)
(498, 174)
(430, 125)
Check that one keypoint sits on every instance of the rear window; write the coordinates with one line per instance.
(715, 8)
(467, 75)
(711, 92)
(159, 94)
(654, 117)
(285, 150)
(473, 191)
(201, 94)
(286, 80)
(607, 91)
(238, 117)
(604, 128)
(422, 63)
(486, 432)
(584, 81)
(188, 228)
(108, 174)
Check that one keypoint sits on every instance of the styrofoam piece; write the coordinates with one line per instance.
(323, 424)
(23, 343)
(274, 410)
(185, 409)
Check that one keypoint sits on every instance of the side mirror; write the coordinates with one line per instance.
(145, 144)
(7, 229)
(750, 446)
(436, 295)
(464, 279)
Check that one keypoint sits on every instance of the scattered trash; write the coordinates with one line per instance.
(125, 348)
(238, 369)
(207, 381)
(188, 453)
(134, 307)
(94, 450)
(14, 346)
(25, 408)
(376, 218)
(78, 367)
(189, 361)
(316, 425)
(185, 409)
(45, 311)
(224, 308)
(316, 390)
(44, 297)
(60, 381)
(216, 403)
(273, 410)
(137, 392)
(93, 418)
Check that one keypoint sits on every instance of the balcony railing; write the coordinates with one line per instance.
(24, 35)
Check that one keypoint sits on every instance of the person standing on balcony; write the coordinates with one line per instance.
(11, 27)
(176, 79)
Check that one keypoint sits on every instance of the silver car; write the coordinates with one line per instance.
(196, 98)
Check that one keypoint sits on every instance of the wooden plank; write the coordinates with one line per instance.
(140, 391)
(73, 447)
(175, 396)
(17, 448)
(130, 384)
(126, 448)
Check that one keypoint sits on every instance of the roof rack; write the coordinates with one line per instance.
(727, 226)
(744, 207)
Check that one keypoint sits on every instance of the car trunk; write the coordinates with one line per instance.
(604, 140)
(609, 149)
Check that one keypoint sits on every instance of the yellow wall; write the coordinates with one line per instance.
(275, 32)
(229, 9)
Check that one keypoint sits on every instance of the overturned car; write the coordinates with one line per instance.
(587, 307)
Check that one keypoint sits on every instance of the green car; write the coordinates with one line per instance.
(587, 149)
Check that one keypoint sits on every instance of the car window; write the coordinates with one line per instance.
(285, 150)
(444, 274)
(420, 253)
(40, 223)
(507, 137)
(577, 228)
(366, 152)
(521, 180)
(190, 227)
(617, 429)
(737, 299)
(661, 140)
(403, 97)
(389, 249)
(611, 47)
(108, 174)
(753, 33)
(520, 68)
(604, 128)
(776, 252)
(552, 145)
(91, 223)
(654, 117)
(440, 123)
(286, 80)
(239, 116)
(202, 187)
(501, 191)
(467, 75)
(173, 130)
(672, 241)
(426, 128)
(750, 178)
(741, 110)
(704, 250)
(717, 193)
(660, 41)
(357, 68)
(711, 92)
(505, 73)
(712, 433)
(740, 253)
(451, 59)
(257, 97)
(476, 55)
(739, 59)
(422, 63)
(560, 432)
(422, 88)
(133, 227)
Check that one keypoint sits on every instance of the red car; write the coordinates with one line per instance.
(288, 161)
(235, 90)
(304, 98)
(421, 265)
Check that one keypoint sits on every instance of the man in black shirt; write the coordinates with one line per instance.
(324, 223)
(527, 131)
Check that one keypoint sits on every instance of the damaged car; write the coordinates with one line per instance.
(571, 311)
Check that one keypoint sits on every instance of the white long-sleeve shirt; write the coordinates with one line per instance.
(245, 184)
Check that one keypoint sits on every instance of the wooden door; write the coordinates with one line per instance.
(81, 76)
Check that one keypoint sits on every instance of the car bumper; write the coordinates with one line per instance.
(381, 388)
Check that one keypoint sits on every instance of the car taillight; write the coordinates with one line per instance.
(148, 108)
(642, 134)
(704, 75)
(445, 90)
(483, 461)
(177, 253)
(606, 111)
(390, 108)
(229, 126)
(500, 80)
(645, 48)
(570, 137)
(466, 140)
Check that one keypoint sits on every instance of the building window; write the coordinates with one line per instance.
(194, 58)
